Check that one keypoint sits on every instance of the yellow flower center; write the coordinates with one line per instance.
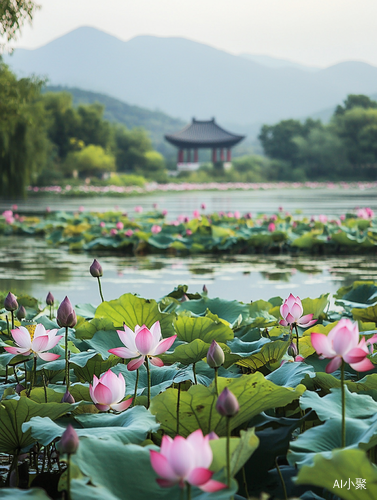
(31, 330)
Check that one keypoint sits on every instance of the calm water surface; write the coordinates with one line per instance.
(30, 266)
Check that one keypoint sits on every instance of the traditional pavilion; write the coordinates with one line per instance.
(203, 134)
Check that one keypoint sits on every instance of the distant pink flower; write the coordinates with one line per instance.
(343, 342)
(7, 213)
(119, 225)
(271, 227)
(35, 339)
(48, 210)
(342, 217)
(188, 232)
(128, 233)
(155, 205)
(183, 461)
(292, 313)
(181, 218)
(164, 212)
(273, 218)
(230, 215)
(280, 209)
(138, 209)
(156, 229)
(322, 218)
(113, 232)
(237, 214)
(14, 207)
(81, 208)
(203, 206)
(141, 343)
(102, 224)
(107, 391)
(196, 214)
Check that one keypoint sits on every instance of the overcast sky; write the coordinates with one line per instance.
(313, 32)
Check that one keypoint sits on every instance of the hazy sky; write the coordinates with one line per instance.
(313, 32)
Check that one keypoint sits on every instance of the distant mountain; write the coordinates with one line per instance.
(274, 62)
(155, 122)
(184, 78)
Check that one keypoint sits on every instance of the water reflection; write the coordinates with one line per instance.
(30, 266)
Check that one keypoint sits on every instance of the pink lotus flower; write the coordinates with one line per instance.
(343, 342)
(271, 227)
(141, 343)
(156, 229)
(102, 224)
(203, 206)
(164, 212)
(113, 232)
(322, 218)
(188, 232)
(119, 225)
(342, 217)
(81, 208)
(138, 209)
(107, 391)
(183, 461)
(292, 313)
(128, 233)
(196, 214)
(35, 339)
(237, 214)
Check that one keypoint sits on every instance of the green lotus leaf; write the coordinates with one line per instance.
(206, 329)
(365, 314)
(342, 465)
(94, 365)
(188, 354)
(133, 311)
(15, 412)
(291, 374)
(270, 353)
(86, 329)
(316, 306)
(225, 309)
(32, 494)
(197, 405)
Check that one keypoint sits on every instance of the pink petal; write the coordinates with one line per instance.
(123, 352)
(103, 394)
(200, 445)
(321, 344)
(144, 341)
(284, 310)
(363, 366)
(299, 359)
(212, 486)
(40, 330)
(40, 343)
(122, 406)
(291, 300)
(18, 350)
(296, 311)
(22, 337)
(91, 392)
(290, 319)
(53, 341)
(343, 342)
(166, 444)
(135, 363)
(199, 476)
(355, 355)
(164, 483)
(164, 345)
(156, 361)
(127, 337)
(102, 407)
(334, 364)
(182, 459)
(309, 323)
(48, 356)
(162, 467)
(283, 322)
(155, 330)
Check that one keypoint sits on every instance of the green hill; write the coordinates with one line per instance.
(156, 123)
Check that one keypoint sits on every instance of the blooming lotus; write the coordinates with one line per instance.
(183, 460)
(141, 343)
(107, 391)
(343, 342)
(292, 313)
(35, 339)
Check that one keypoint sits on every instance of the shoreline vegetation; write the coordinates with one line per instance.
(142, 233)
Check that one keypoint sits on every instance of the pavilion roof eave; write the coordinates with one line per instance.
(184, 143)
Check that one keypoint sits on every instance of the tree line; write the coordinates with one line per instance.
(345, 148)
(44, 139)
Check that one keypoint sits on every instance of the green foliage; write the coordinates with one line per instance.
(91, 160)
(13, 14)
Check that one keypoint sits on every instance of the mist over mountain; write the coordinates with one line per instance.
(184, 78)
(275, 62)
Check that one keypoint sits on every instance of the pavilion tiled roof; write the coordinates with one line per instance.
(203, 134)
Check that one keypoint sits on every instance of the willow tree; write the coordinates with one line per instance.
(24, 146)
(13, 14)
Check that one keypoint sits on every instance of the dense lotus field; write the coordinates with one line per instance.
(142, 233)
(189, 397)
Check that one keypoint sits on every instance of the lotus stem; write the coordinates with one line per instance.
(33, 377)
(178, 401)
(44, 384)
(194, 372)
(6, 317)
(66, 359)
(188, 491)
(136, 384)
(50, 311)
(100, 289)
(149, 381)
(228, 449)
(216, 386)
(297, 337)
(6, 374)
(69, 476)
(281, 479)
(343, 404)
(12, 313)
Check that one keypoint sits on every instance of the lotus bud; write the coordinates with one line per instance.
(68, 398)
(96, 269)
(292, 350)
(19, 388)
(227, 404)
(66, 316)
(21, 313)
(10, 302)
(205, 289)
(50, 299)
(69, 441)
(215, 355)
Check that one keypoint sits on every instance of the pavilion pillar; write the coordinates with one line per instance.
(214, 155)
(180, 156)
(229, 155)
(222, 154)
(189, 155)
(196, 156)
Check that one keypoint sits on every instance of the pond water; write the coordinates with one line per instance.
(332, 202)
(31, 266)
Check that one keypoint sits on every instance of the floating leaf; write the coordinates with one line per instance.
(270, 353)
(206, 329)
